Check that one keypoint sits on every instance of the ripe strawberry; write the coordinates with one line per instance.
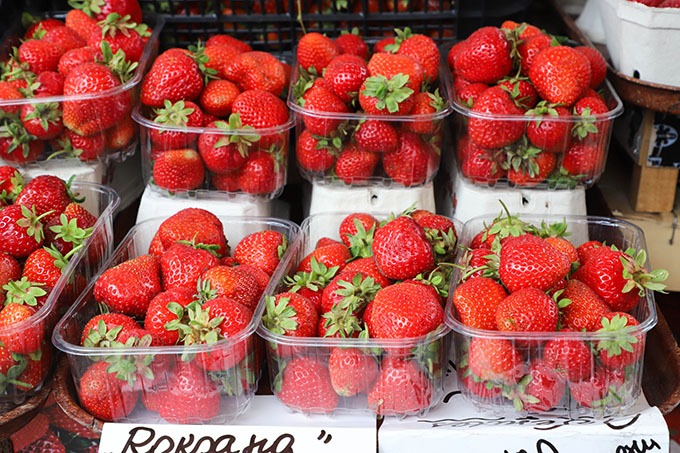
(476, 301)
(401, 249)
(494, 133)
(356, 165)
(40, 55)
(65, 38)
(219, 58)
(27, 340)
(540, 390)
(44, 266)
(414, 162)
(100, 10)
(605, 389)
(320, 99)
(75, 57)
(336, 254)
(401, 388)
(619, 278)
(352, 371)
(528, 48)
(565, 246)
(376, 136)
(178, 115)
(165, 309)
(227, 152)
(547, 131)
(85, 148)
(379, 95)
(347, 293)
(485, 56)
(182, 264)
(174, 76)
(218, 96)
(495, 360)
(257, 71)
(421, 48)
(80, 22)
(11, 183)
(261, 110)
(190, 397)
(344, 75)
(261, 174)
(21, 230)
(356, 231)
(102, 329)
(469, 93)
(314, 153)
(10, 270)
(129, 286)
(571, 357)
(9, 92)
(262, 249)
(38, 26)
(586, 250)
(228, 41)
(426, 104)
(479, 164)
(390, 65)
(598, 65)
(290, 314)
(50, 83)
(585, 309)
(315, 51)
(190, 224)
(624, 343)
(560, 74)
(91, 116)
(233, 282)
(103, 395)
(529, 166)
(527, 310)
(305, 385)
(48, 195)
(42, 120)
(351, 43)
(178, 169)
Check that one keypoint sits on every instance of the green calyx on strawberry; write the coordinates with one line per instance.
(14, 69)
(521, 157)
(69, 231)
(196, 326)
(488, 269)
(361, 241)
(439, 278)
(401, 36)
(11, 374)
(20, 142)
(388, 92)
(341, 322)
(170, 114)
(618, 336)
(562, 179)
(114, 23)
(200, 58)
(212, 248)
(356, 293)
(315, 280)
(636, 274)
(585, 125)
(118, 63)
(506, 225)
(45, 113)
(279, 317)
(304, 82)
(101, 336)
(32, 223)
(17, 183)
(242, 140)
(428, 355)
(543, 108)
(556, 229)
(23, 291)
(64, 147)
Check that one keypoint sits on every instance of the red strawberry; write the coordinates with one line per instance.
(414, 162)
(261, 174)
(229, 152)
(40, 55)
(315, 51)
(421, 48)
(11, 183)
(44, 266)
(550, 130)
(350, 43)
(10, 270)
(468, 93)
(262, 110)
(479, 164)
(21, 230)
(605, 389)
(182, 264)
(495, 360)
(376, 136)
(529, 166)
(331, 255)
(191, 397)
(43, 120)
(85, 148)
(315, 153)
(165, 309)
(624, 343)
(541, 389)
(48, 195)
(80, 22)
(356, 231)
(290, 314)
(27, 340)
(321, 99)
(305, 385)
(485, 56)
(571, 358)
(560, 74)
(99, 10)
(219, 58)
(565, 246)
(37, 26)
(190, 224)
(380, 95)
(65, 38)
(585, 309)
(174, 76)
(390, 65)
(356, 165)
(495, 133)
(528, 48)
(103, 395)
(527, 310)
(257, 71)
(598, 65)
(8, 92)
(428, 105)
(401, 388)
(401, 249)
(233, 282)
(586, 250)
(478, 263)
(104, 328)
(228, 41)
(49, 83)
(345, 74)
(262, 249)
(476, 301)
(129, 286)
(178, 115)
(218, 97)
(178, 169)
(528, 261)
(352, 371)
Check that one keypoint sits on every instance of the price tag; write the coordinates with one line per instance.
(140, 438)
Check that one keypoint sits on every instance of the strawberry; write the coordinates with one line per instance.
(233, 282)
(129, 286)
(604, 389)
(585, 308)
(10, 270)
(560, 74)
(49, 443)
(348, 292)
(290, 314)
(485, 56)
(571, 358)
(388, 65)
(165, 309)
(219, 58)
(80, 22)
(182, 264)
(349, 42)
(356, 231)
(467, 93)
(379, 95)
(401, 249)
(228, 41)
(352, 371)
(315, 51)
(21, 230)
(527, 310)
(40, 55)
(540, 390)
(170, 116)
(624, 344)
(314, 153)
(44, 266)
(345, 75)
(103, 395)
(421, 48)
(474, 386)
(401, 388)
(91, 116)
(102, 329)
(42, 120)
(119, 33)
(100, 9)
(356, 165)
(376, 136)
(414, 162)
(178, 169)
(257, 71)
(495, 360)
(190, 397)
(404, 310)
(49, 83)
(261, 174)
(218, 96)
(586, 250)
(190, 224)
(27, 340)
(528, 166)
(11, 183)
(262, 249)
(48, 195)
(479, 262)
(598, 65)
(37, 26)
(17, 145)
(528, 48)
(229, 152)
(565, 246)
(620, 278)
(65, 38)
(547, 131)
(476, 301)
(479, 164)
(174, 76)
(426, 104)
(331, 255)
(321, 99)
(494, 133)
(305, 384)
(261, 109)
(8, 92)
(528, 261)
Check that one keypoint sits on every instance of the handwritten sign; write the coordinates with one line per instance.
(134, 438)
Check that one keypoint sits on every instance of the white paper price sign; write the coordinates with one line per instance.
(136, 438)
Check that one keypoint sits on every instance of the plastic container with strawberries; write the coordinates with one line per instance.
(38, 292)
(215, 122)
(557, 325)
(348, 332)
(176, 342)
(537, 117)
(68, 88)
(369, 118)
